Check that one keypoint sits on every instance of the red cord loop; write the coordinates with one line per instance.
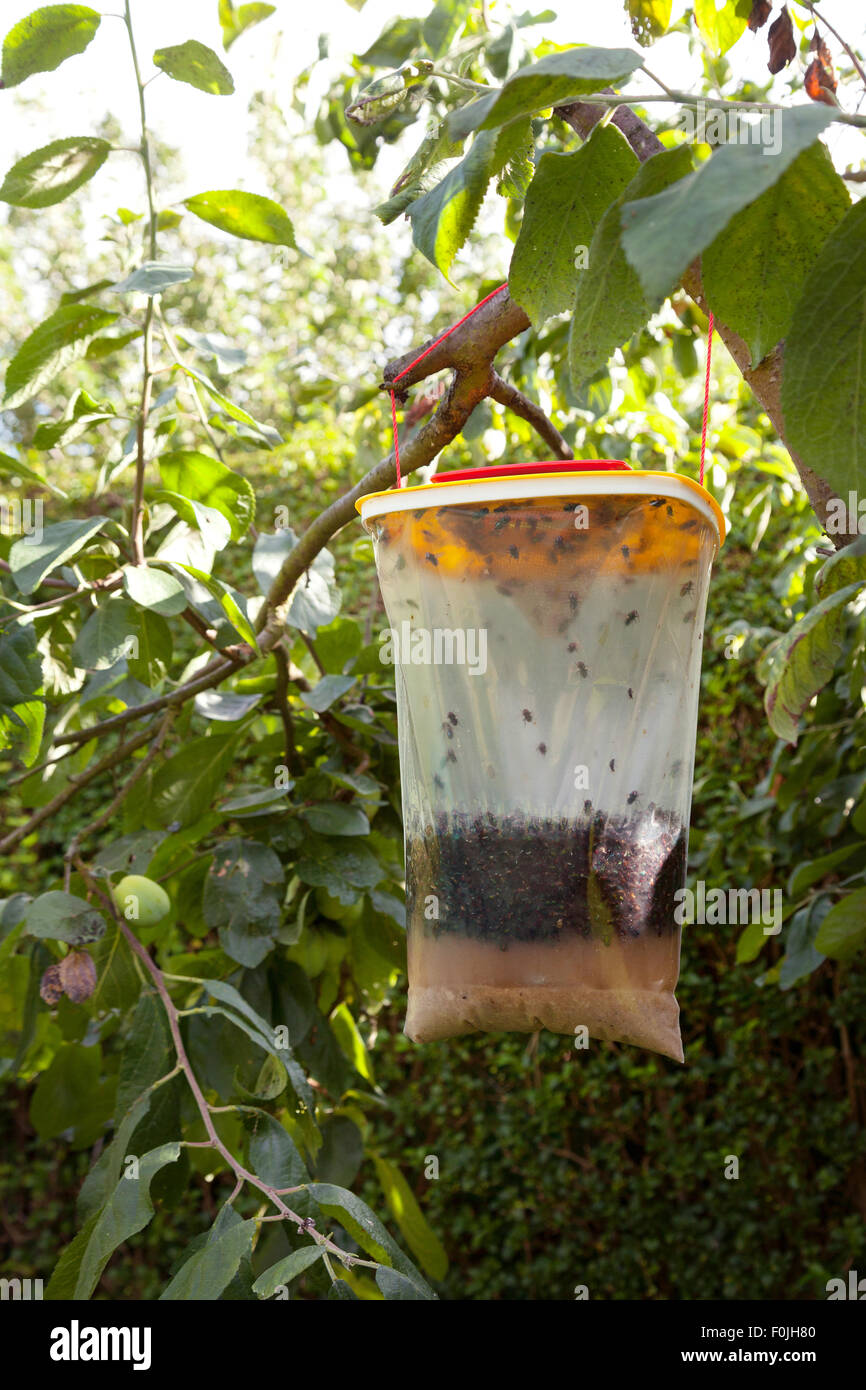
(706, 395)
(486, 300)
(420, 358)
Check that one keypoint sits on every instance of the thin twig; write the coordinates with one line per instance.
(512, 399)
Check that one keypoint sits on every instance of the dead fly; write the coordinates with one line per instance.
(630, 693)
(688, 588)
(514, 552)
(632, 798)
(448, 729)
(573, 602)
(670, 511)
(542, 748)
(687, 617)
(632, 617)
(437, 781)
(503, 507)
(503, 521)
(688, 525)
(612, 764)
(625, 551)
(452, 718)
(431, 557)
(657, 502)
(587, 806)
(558, 542)
(570, 507)
(572, 646)
(527, 716)
(422, 512)
(583, 669)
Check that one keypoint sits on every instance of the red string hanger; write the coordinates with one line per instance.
(706, 395)
(460, 322)
(420, 358)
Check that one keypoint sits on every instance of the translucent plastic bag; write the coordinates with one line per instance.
(546, 634)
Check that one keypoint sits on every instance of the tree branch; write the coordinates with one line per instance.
(512, 399)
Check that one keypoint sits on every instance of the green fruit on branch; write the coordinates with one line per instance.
(141, 900)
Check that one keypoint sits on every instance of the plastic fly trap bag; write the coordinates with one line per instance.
(545, 627)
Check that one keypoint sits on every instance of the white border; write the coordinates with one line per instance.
(611, 483)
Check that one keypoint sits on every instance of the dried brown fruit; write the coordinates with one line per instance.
(783, 46)
(50, 986)
(761, 10)
(820, 80)
(78, 975)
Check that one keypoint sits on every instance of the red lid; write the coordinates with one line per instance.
(505, 470)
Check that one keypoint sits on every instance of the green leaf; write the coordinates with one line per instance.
(45, 39)
(443, 24)
(20, 666)
(351, 1043)
(243, 898)
(268, 434)
(847, 566)
(247, 215)
(59, 341)
(721, 27)
(565, 203)
(800, 957)
(154, 589)
(335, 818)
(663, 234)
(843, 931)
(81, 413)
(118, 984)
(418, 1235)
(226, 708)
(649, 19)
(235, 19)
(754, 272)
(149, 658)
(824, 379)
(107, 637)
(443, 218)
(396, 1286)
(57, 1101)
(211, 1269)
(30, 562)
(315, 600)
(63, 917)
(152, 277)
(341, 1292)
(185, 786)
(203, 479)
(196, 64)
(801, 663)
(610, 303)
(127, 1211)
(146, 1052)
(816, 870)
(284, 1271)
(364, 1227)
(105, 1173)
(273, 1155)
(13, 468)
(553, 81)
(326, 691)
(51, 173)
(342, 1151)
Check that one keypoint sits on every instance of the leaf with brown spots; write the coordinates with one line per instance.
(781, 40)
(761, 10)
(77, 975)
